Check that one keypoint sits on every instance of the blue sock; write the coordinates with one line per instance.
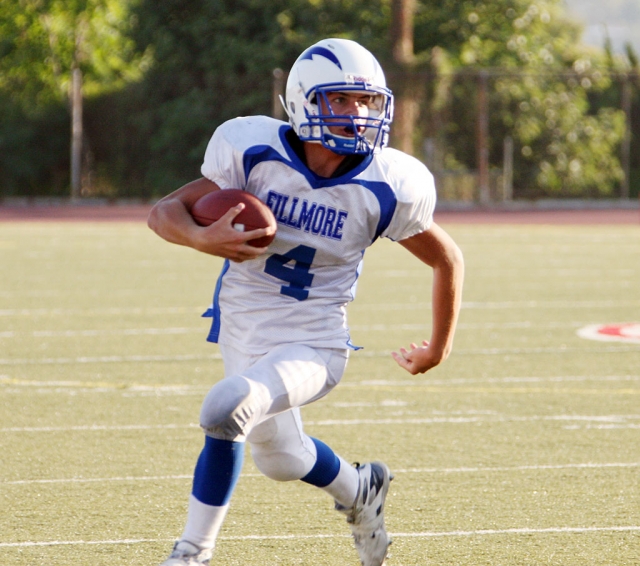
(217, 471)
(325, 469)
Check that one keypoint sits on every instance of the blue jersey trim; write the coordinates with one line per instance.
(260, 153)
(386, 199)
(214, 310)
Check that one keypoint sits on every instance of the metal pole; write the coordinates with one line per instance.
(626, 142)
(507, 169)
(277, 111)
(483, 139)
(76, 134)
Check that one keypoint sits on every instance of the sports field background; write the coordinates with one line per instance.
(522, 449)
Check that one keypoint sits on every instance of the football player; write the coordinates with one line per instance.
(279, 313)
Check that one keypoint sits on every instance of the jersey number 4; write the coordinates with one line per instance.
(296, 274)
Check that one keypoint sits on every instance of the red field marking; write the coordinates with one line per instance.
(622, 332)
(139, 213)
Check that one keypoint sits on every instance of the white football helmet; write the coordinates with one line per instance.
(339, 65)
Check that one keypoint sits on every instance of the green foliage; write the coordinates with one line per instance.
(161, 76)
(43, 40)
(33, 151)
(214, 61)
(565, 147)
(541, 83)
(509, 34)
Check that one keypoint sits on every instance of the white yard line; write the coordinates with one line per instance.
(89, 332)
(400, 383)
(428, 534)
(470, 305)
(369, 354)
(601, 420)
(562, 349)
(433, 471)
(491, 380)
(96, 428)
(106, 332)
(524, 531)
(107, 311)
(78, 385)
(107, 359)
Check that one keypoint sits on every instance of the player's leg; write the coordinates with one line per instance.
(283, 452)
(257, 387)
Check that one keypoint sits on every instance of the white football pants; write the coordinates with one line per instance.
(258, 401)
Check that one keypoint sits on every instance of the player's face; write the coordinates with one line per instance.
(350, 104)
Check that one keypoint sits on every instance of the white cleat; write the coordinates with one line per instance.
(187, 554)
(366, 517)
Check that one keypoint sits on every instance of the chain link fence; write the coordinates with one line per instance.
(495, 135)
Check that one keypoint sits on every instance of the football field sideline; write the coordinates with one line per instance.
(483, 532)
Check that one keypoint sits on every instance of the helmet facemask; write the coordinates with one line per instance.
(362, 135)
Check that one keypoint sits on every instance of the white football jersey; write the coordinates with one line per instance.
(298, 291)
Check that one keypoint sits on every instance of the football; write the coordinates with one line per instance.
(256, 214)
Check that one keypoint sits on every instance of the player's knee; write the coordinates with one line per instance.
(279, 466)
(281, 457)
(225, 411)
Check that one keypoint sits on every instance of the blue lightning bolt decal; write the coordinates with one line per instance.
(323, 52)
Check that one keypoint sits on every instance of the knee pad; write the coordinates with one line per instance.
(226, 412)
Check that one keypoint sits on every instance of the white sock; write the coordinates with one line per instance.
(203, 523)
(344, 488)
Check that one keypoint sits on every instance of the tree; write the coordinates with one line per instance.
(201, 62)
(408, 88)
(541, 80)
(54, 50)
(214, 60)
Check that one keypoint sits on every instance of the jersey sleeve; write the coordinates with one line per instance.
(416, 199)
(223, 160)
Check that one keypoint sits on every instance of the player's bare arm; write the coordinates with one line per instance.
(170, 219)
(438, 250)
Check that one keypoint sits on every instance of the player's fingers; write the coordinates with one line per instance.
(245, 252)
(399, 358)
(254, 234)
(404, 362)
(232, 212)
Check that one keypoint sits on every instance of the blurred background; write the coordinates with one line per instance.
(504, 100)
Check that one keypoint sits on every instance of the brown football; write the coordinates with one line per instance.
(256, 214)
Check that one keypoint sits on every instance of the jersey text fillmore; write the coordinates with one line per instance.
(311, 217)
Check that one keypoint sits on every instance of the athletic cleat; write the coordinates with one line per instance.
(366, 517)
(187, 554)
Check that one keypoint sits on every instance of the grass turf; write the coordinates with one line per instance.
(522, 449)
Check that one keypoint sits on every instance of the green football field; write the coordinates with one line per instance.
(522, 449)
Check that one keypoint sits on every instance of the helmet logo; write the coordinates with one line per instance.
(322, 52)
(358, 79)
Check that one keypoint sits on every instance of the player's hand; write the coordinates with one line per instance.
(223, 240)
(418, 359)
